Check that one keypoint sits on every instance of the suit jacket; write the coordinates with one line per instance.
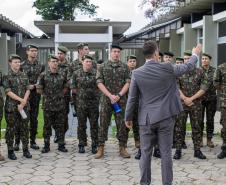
(156, 86)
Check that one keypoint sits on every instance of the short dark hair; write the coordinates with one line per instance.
(149, 48)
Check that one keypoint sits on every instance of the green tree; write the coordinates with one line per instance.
(63, 9)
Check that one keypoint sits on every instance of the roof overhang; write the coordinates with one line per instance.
(48, 27)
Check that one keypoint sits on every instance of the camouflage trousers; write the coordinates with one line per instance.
(179, 131)
(55, 119)
(223, 123)
(67, 106)
(194, 112)
(14, 123)
(34, 100)
(209, 107)
(1, 115)
(83, 113)
(105, 121)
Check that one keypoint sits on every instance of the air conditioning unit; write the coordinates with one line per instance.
(19, 38)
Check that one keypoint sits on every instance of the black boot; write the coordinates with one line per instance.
(94, 149)
(61, 148)
(199, 154)
(157, 153)
(16, 147)
(55, 139)
(222, 154)
(46, 148)
(177, 154)
(81, 149)
(27, 154)
(138, 155)
(33, 145)
(11, 155)
(184, 146)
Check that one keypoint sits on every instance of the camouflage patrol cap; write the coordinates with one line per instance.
(81, 45)
(63, 49)
(207, 55)
(131, 57)
(31, 46)
(14, 56)
(168, 53)
(87, 57)
(52, 56)
(180, 59)
(188, 53)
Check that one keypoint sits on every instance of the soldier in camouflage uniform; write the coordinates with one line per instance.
(1, 114)
(82, 49)
(33, 69)
(209, 102)
(17, 90)
(113, 79)
(87, 102)
(219, 81)
(63, 68)
(53, 85)
(132, 63)
(192, 87)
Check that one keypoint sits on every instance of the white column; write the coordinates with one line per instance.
(3, 52)
(190, 37)
(175, 43)
(56, 38)
(110, 34)
(210, 37)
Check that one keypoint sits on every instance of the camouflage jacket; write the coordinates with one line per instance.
(87, 92)
(219, 81)
(64, 68)
(1, 96)
(18, 83)
(211, 92)
(114, 75)
(75, 65)
(32, 70)
(53, 85)
(192, 82)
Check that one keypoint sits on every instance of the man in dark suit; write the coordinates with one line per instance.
(159, 102)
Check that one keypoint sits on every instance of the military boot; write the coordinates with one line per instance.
(157, 153)
(123, 152)
(2, 158)
(138, 155)
(94, 149)
(27, 154)
(81, 149)
(210, 143)
(177, 154)
(222, 154)
(184, 146)
(46, 148)
(199, 154)
(100, 152)
(11, 155)
(61, 148)
(33, 145)
(16, 147)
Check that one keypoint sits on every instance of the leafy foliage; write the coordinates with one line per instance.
(63, 9)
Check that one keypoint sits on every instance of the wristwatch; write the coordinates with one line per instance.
(119, 95)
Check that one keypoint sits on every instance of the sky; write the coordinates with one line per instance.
(22, 13)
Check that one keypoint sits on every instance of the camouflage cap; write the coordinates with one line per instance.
(131, 57)
(63, 49)
(188, 53)
(14, 56)
(81, 45)
(31, 46)
(179, 58)
(87, 57)
(116, 46)
(168, 53)
(207, 55)
(160, 54)
(52, 56)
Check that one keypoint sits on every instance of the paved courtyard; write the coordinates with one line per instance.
(82, 169)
